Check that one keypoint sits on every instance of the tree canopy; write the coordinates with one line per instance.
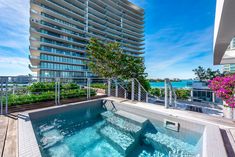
(108, 60)
(206, 74)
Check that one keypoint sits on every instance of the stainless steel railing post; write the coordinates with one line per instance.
(109, 87)
(58, 97)
(116, 88)
(166, 93)
(1, 107)
(147, 97)
(88, 88)
(6, 95)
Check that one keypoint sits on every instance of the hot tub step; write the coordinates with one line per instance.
(125, 125)
(169, 144)
(51, 138)
(123, 142)
(107, 114)
(138, 120)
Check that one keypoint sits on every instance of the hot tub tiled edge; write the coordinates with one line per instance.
(213, 145)
(27, 142)
(28, 146)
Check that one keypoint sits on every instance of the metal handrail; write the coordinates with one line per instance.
(169, 85)
(140, 84)
(117, 84)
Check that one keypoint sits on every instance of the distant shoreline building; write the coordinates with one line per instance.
(61, 29)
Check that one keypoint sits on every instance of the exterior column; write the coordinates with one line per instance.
(87, 5)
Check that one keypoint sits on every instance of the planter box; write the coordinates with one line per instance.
(38, 105)
(228, 112)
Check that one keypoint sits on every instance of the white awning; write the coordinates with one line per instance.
(224, 31)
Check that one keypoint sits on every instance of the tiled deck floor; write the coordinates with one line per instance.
(8, 137)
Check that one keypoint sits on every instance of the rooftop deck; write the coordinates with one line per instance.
(9, 126)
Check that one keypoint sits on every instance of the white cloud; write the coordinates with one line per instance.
(168, 50)
(14, 23)
(8, 66)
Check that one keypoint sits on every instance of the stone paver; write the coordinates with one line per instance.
(10, 148)
(28, 146)
(3, 131)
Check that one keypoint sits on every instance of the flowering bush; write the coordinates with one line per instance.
(224, 87)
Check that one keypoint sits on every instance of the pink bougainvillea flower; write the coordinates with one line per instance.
(224, 88)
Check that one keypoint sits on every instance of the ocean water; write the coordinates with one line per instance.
(181, 84)
(66, 135)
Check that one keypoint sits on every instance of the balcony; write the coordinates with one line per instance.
(63, 9)
(35, 61)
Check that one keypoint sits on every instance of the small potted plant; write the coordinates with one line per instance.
(224, 88)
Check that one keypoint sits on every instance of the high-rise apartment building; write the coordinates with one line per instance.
(230, 68)
(224, 30)
(61, 29)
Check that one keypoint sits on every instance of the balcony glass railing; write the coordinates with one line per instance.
(96, 13)
(134, 33)
(56, 66)
(70, 39)
(100, 8)
(134, 38)
(133, 16)
(131, 44)
(102, 26)
(61, 59)
(132, 50)
(127, 8)
(62, 21)
(67, 9)
(63, 74)
(61, 28)
(76, 6)
(132, 24)
(62, 52)
(53, 42)
(61, 14)
(131, 28)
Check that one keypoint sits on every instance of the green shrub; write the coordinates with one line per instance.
(99, 85)
(70, 86)
(157, 92)
(46, 96)
(42, 87)
(50, 86)
(182, 94)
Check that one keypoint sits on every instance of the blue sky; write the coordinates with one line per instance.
(178, 33)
